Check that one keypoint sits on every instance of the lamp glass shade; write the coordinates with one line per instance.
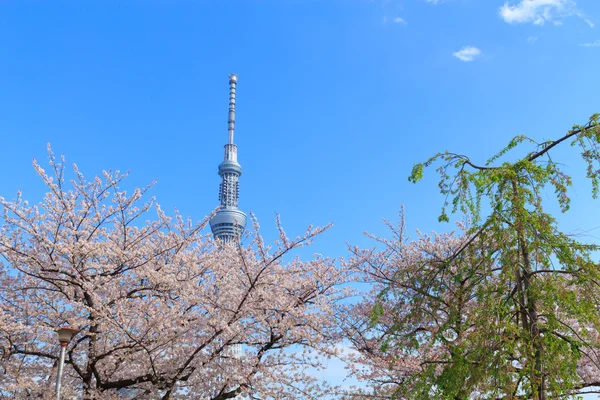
(65, 334)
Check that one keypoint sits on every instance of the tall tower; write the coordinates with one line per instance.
(228, 223)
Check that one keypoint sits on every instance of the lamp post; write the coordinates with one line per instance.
(64, 337)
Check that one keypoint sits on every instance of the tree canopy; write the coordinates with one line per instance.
(509, 308)
(159, 305)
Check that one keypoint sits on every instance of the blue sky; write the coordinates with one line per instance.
(337, 99)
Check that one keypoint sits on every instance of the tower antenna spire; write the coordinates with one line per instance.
(231, 121)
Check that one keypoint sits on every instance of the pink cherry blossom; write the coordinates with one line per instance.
(159, 303)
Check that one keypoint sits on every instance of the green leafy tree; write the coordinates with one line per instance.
(542, 302)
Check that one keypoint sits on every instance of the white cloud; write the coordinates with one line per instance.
(396, 20)
(467, 53)
(532, 39)
(539, 12)
(592, 44)
(587, 21)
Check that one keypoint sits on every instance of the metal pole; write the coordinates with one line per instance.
(61, 362)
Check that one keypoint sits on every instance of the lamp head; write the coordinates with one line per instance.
(65, 334)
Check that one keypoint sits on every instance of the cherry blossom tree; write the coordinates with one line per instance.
(159, 305)
(509, 308)
(419, 315)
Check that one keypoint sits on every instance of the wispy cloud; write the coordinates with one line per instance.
(532, 39)
(467, 53)
(587, 21)
(395, 20)
(592, 44)
(538, 12)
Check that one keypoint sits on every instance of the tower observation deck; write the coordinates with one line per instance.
(229, 222)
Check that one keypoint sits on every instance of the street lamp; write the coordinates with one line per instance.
(64, 337)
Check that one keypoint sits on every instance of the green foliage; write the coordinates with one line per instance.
(417, 173)
(378, 311)
(466, 188)
(536, 315)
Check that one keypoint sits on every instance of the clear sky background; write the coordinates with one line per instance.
(337, 99)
